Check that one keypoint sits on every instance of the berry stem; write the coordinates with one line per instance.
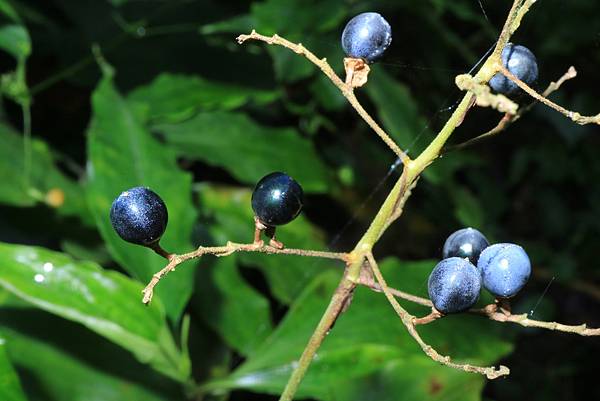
(159, 250)
(346, 89)
(409, 322)
(576, 117)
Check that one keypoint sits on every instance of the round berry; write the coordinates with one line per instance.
(465, 243)
(277, 199)
(454, 285)
(139, 216)
(521, 62)
(505, 268)
(366, 36)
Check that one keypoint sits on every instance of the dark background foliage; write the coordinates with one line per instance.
(168, 99)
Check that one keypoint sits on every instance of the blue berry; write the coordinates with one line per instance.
(366, 36)
(521, 62)
(505, 268)
(465, 243)
(139, 216)
(277, 199)
(454, 285)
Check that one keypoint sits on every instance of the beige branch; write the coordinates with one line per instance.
(346, 89)
(231, 247)
(576, 117)
(409, 323)
(491, 311)
(509, 119)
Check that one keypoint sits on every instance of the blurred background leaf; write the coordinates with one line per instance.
(10, 387)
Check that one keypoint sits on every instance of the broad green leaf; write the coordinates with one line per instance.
(233, 218)
(14, 39)
(10, 387)
(61, 376)
(123, 154)
(248, 150)
(106, 302)
(47, 183)
(369, 354)
(173, 98)
(231, 307)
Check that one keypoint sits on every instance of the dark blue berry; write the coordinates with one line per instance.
(277, 199)
(366, 36)
(465, 243)
(521, 62)
(139, 216)
(454, 285)
(505, 269)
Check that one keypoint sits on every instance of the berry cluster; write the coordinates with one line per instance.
(140, 216)
(455, 283)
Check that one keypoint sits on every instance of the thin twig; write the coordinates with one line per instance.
(490, 311)
(509, 119)
(576, 117)
(346, 89)
(408, 320)
(231, 247)
(493, 312)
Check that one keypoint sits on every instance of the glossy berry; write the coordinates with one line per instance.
(505, 268)
(520, 61)
(454, 285)
(139, 216)
(277, 199)
(366, 36)
(465, 243)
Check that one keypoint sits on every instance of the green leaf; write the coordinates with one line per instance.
(236, 311)
(10, 387)
(369, 354)
(62, 376)
(396, 107)
(467, 208)
(238, 24)
(248, 150)
(108, 303)
(8, 10)
(173, 98)
(123, 154)
(273, 17)
(47, 183)
(14, 39)
(233, 218)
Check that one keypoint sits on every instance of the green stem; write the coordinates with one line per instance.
(412, 170)
(364, 246)
(336, 305)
